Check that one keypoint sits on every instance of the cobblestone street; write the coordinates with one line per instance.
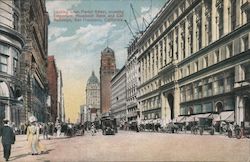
(131, 146)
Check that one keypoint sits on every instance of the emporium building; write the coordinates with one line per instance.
(194, 60)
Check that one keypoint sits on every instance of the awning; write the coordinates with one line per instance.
(225, 116)
(179, 119)
(193, 118)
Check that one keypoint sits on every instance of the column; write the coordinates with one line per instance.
(163, 109)
(186, 39)
(179, 53)
(225, 16)
(203, 23)
(194, 33)
(163, 52)
(213, 20)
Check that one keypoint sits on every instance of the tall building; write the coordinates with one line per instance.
(194, 60)
(132, 82)
(52, 74)
(34, 21)
(93, 94)
(107, 70)
(118, 96)
(11, 45)
(60, 105)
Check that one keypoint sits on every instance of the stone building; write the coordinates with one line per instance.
(52, 75)
(107, 70)
(34, 21)
(194, 59)
(132, 82)
(11, 45)
(93, 94)
(119, 96)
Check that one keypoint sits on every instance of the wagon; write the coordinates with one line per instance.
(205, 124)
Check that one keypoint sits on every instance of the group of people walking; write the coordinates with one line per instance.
(33, 132)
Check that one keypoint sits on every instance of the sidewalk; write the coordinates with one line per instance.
(20, 152)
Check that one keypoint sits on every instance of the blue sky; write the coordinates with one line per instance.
(77, 45)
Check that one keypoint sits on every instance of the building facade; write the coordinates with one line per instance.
(52, 74)
(194, 59)
(60, 98)
(107, 70)
(11, 45)
(34, 21)
(93, 94)
(119, 96)
(133, 112)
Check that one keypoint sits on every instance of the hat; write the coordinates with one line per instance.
(32, 119)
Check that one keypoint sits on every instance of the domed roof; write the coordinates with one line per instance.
(93, 79)
(108, 50)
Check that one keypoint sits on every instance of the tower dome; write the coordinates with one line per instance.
(108, 50)
(93, 79)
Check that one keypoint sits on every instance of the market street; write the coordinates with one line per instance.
(132, 146)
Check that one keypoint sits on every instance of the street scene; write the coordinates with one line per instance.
(132, 146)
(127, 80)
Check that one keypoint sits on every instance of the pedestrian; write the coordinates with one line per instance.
(33, 137)
(45, 131)
(8, 138)
(58, 127)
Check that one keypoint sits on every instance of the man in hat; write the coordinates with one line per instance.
(8, 138)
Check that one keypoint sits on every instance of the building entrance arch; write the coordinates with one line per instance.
(219, 107)
(171, 105)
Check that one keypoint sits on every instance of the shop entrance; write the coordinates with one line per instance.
(171, 105)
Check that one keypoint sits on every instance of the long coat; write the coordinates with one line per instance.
(8, 136)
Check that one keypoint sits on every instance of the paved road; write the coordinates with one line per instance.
(132, 146)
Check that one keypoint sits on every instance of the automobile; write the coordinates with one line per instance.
(79, 129)
(108, 124)
(205, 124)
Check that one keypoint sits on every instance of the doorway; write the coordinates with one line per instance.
(171, 105)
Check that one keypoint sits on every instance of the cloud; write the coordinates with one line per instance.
(55, 32)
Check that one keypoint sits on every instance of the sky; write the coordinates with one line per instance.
(80, 29)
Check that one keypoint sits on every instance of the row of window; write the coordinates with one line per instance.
(207, 107)
(206, 88)
(182, 41)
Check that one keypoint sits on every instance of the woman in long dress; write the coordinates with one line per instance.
(33, 138)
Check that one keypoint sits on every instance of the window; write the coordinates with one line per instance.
(205, 62)
(221, 20)
(229, 50)
(4, 49)
(207, 107)
(3, 63)
(217, 56)
(16, 21)
(196, 66)
(197, 109)
(188, 70)
(245, 43)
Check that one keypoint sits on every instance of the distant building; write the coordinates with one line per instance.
(118, 96)
(60, 98)
(93, 94)
(53, 88)
(132, 79)
(107, 70)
